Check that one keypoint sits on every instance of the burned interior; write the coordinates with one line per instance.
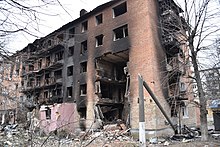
(110, 85)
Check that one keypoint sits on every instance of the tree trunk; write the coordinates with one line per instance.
(203, 111)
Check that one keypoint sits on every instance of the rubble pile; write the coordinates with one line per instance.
(111, 135)
(14, 135)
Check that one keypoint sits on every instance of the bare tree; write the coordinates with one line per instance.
(23, 16)
(192, 26)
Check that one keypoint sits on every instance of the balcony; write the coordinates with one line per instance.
(175, 64)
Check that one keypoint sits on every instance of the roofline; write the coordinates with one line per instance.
(81, 18)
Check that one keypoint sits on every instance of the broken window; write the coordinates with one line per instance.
(83, 89)
(31, 67)
(57, 92)
(47, 78)
(59, 56)
(46, 94)
(37, 81)
(58, 74)
(120, 9)
(71, 51)
(48, 113)
(48, 61)
(83, 67)
(49, 43)
(185, 111)
(98, 19)
(71, 32)
(120, 32)
(99, 40)
(69, 92)
(60, 38)
(39, 63)
(84, 26)
(70, 71)
(83, 47)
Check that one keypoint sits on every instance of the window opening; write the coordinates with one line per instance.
(69, 92)
(48, 61)
(70, 71)
(59, 56)
(31, 67)
(83, 89)
(99, 40)
(58, 74)
(60, 38)
(84, 26)
(83, 67)
(120, 9)
(83, 47)
(99, 19)
(121, 32)
(71, 51)
(48, 113)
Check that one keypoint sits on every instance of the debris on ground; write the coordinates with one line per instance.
(116, 135)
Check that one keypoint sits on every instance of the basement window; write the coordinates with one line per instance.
(99, 40)
(120, 32)
(84, 26)
(48, 113)
(71, 32)
(120, 9)
(58, 74)
(83, 47)
(99, 19)
(83, 89)
(70, 71)
(69, 92)
(83, 67)
(71, 51)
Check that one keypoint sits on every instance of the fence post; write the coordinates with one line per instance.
(142, 138)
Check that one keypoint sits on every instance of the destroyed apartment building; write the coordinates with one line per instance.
(85, 74)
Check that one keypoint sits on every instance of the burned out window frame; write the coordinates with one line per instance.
(83, 89)
(119, 9)
(99, 40)
(120, 32)
(70, 71)
(83, 67)
(48, 113)
(84, 26)
(69, 92)
(59, 55)
(99, 19)
(56, 75)
(71, 51)
(84, 47)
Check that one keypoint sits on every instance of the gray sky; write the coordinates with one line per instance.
(49, 24)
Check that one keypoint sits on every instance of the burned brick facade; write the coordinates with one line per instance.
(85, 73)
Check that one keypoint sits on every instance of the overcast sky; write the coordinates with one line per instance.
(49, 24)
